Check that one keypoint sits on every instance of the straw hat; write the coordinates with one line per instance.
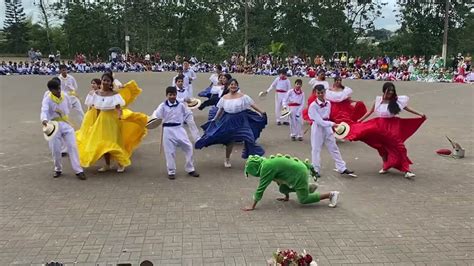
(285, 112)
(153, 123)
(262, 94)
(195, 103)
(342, 130)
(50, 130)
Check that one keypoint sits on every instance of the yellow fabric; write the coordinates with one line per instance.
(130, 92)
(103, 136)
(72, 93)
(63, 118)
(102, 132)
(55, 99)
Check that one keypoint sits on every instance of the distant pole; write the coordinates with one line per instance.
(445, 35)
(246, 41)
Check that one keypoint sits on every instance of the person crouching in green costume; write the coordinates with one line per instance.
(291, 175)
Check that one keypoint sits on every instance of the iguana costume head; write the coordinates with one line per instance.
(253, 165)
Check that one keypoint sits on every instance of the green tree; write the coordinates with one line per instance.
(15, 27)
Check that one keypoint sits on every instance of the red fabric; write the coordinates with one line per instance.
(443, 152)
(293, 104)
(281, 91)
(311, 99)
(346, 112)
(387, 136)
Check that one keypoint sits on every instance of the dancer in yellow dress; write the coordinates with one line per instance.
(114, 131)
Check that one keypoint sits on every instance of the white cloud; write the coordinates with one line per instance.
(388, 19)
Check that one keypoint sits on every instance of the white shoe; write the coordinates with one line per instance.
(409, 175)
(313, 187)
(104, 169)
(382, 172)
(227, 164)
(333, 199)
(120, 169)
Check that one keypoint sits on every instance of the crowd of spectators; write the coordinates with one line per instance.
(403, 68)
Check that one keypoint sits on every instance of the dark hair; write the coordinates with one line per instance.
(53, 84)
(393, 107)
(282, 71)
(319, 87)
(185, 61)
(171, 89)
(179, 68)
(339, 78)
(231, 80)
(57, 79)
(97, 81)
(219, 67)
(179, 77)
(62, 67)
(298, 81)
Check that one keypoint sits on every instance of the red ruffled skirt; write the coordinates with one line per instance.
(387, 136)
(343, 111)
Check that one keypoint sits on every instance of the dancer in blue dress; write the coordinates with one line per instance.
(235, 122)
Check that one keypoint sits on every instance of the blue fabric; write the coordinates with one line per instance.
(212, 113)
(245, 126)
(206, 93)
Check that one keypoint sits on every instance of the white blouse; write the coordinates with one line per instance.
(217, 89)
(104, 102)
(338, 96)
(235, 105)
(381, 109)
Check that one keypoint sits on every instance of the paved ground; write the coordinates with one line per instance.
(140, 214)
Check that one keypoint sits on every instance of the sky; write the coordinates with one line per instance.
(387, 21)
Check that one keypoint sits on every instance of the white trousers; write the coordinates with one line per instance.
(279, 98)
(320, 136)
(193, 129)
(190, 90)
(174, 137)
(296, 122)
(67, 135)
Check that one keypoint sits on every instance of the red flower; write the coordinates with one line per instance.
(308, 258)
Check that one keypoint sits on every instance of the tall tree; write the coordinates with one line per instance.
(15, 27)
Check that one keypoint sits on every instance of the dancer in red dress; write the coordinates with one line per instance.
(387, 132)
(342, 107)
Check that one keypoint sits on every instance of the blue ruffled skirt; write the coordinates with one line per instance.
(206, 93)
(245, 126)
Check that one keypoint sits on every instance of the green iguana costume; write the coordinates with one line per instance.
(290, 173)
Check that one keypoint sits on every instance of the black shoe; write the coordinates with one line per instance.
(347, 172)
(194, 174)
(317, 175)
(278, 123)
(286, 123)
(57, 174)
(63, 154)
(171, 177)
(300, 138)
(293, 138)
(81, 176)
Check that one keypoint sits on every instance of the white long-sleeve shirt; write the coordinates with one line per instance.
(281, 85)
(319, 113)
(190, 74)
(175, 112)
(293, 98)
(182, 95)
(49, 108)
(338, 96)
(68, 83)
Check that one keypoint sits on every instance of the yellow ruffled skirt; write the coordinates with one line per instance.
(102, 132)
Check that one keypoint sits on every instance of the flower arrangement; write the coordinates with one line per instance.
(290, 257)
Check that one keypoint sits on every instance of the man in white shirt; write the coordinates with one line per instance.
(69, 87)
(191, 75)
(282, 86)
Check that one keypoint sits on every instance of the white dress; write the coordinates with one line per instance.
(381, 109)
(338, 96)
(104, 102)
(237, 105)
